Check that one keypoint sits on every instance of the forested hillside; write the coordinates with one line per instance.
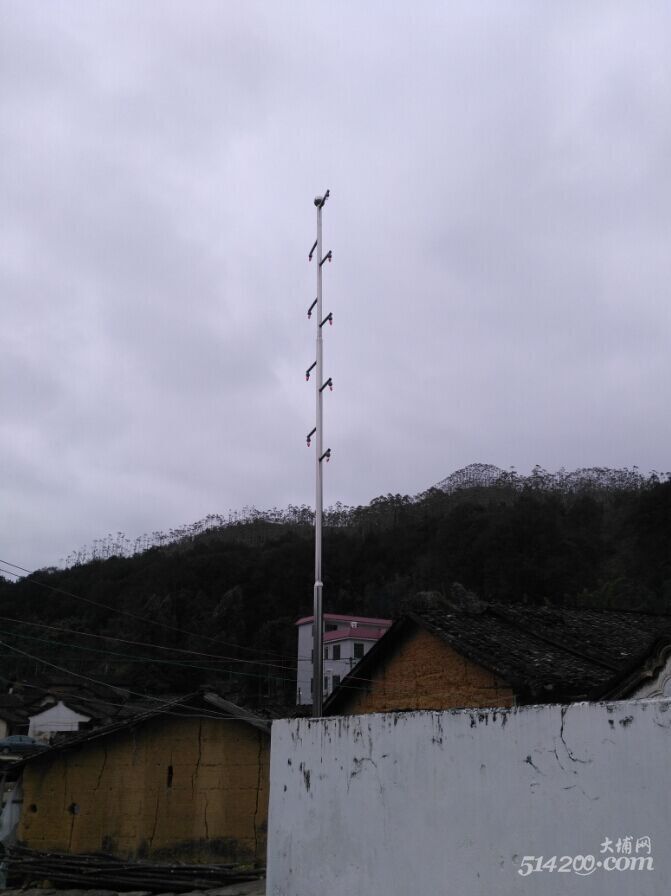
(216, 602)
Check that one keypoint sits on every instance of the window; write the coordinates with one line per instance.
(336, 651)
(326, 653)
(358, 650)
(331, 627)
(326, 683)
(312, 687)
(336, 681)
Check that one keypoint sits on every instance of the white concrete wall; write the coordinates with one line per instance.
(450, 803)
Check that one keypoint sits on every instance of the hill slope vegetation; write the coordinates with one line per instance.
(217, 604)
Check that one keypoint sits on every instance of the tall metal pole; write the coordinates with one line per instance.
(320, 456)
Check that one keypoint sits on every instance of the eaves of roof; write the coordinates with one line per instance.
(642, 668)
(361, 674)
(545, 655)
(166, 708)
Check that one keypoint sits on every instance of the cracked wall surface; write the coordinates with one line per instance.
(451, 802)
(426, 673)
(170, 788)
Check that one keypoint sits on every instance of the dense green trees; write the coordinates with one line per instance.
(217, 604)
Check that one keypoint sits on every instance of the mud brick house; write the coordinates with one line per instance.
(444, 656)
(186, 780)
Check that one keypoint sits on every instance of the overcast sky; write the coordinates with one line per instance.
(500, 217)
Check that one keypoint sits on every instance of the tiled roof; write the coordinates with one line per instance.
(29, 700)
(539, 650)
(545, 654)
(200, 704)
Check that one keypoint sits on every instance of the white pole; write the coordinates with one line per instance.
(318, 624)
(320, 457)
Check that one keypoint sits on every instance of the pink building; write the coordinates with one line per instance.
(346, 640)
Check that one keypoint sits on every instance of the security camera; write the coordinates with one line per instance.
(318, 200)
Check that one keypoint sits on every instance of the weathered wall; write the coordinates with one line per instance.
(173, 787)
(426, 673)
(11, 812)
(452, 802)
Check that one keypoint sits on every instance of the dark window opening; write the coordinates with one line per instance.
(336, 651)
(336, 681)
(358, 650)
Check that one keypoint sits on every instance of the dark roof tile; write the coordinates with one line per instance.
(543, 653)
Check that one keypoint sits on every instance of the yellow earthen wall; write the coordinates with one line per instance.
(426, 673)
(215, 808)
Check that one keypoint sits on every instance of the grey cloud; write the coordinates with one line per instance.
(499, 220)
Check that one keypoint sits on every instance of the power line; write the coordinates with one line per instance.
(143, 711)
(347, 684)
(116, 688)
(130, 658)
(212, 656)
(138, 659)
(207, 713)
(136, 616)
(161, 647)
(126, 657)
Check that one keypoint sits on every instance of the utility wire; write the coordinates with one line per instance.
(213, 714)
(136, 616)
(348, 682)
(196, 653)
(126, 657)
(142, 710)
(213, 656)
(161, 647)
(145, 659)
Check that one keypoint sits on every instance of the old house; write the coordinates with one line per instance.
(187, 779)
(46, 710)
(444, 655)
(56, 719)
